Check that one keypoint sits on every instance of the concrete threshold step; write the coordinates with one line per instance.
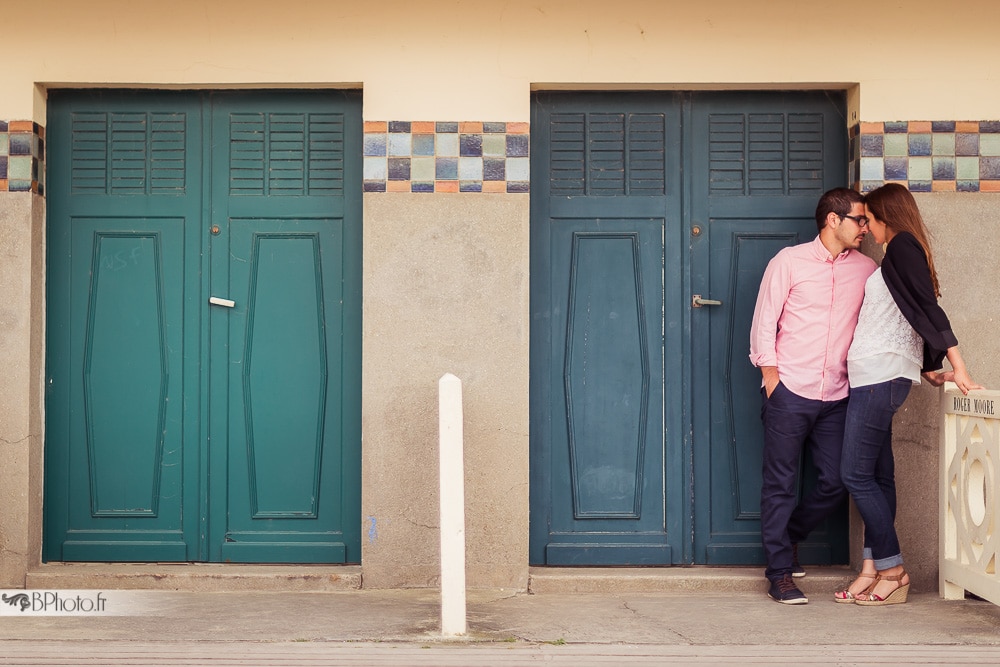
(199, 577)
(818, 580)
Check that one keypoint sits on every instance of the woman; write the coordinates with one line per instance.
(901, 334)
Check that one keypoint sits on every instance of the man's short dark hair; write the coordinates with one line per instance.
(839, 201)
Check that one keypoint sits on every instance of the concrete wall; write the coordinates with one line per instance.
(446, 290)
(964, 255)
(21, 344)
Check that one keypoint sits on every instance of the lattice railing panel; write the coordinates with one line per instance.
(970, 494)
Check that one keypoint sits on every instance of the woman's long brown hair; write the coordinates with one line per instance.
(894, 205)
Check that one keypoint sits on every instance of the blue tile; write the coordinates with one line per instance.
(518, 186)
(517, 145)
(399, 169)
(470, 186)
(3, 126)
(423, 144)
(896, 168)
(494, 169)
(470, 145)
(989, 168)
(896, 127)
(446, 168)
(399, 126)
(3, 166)
(446, 128)
(19, 185)
(989, 126)
(374, 186)
(20, 143)
(919, 144)
(966, 144)
(942, 126)
(871, 145)
(967, 186)
(421, 186)
(868, 186)
(919, 186)
(374, 145)
(944, 168)
(494, 128)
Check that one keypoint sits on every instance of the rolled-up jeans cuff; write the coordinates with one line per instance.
(866, 554)
(886, 563)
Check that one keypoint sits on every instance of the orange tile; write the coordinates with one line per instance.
(518, 128)
(376, 126)
(915, 126)
(989, 186)
(967, 126)
(470, 127)
(41, 132)
(422, 127)
(445, 186)
(28, 126)
(494, 186)
(872, 128)
(3, 185)
(943, 186)
(397, 186)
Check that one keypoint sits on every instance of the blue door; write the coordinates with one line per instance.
(204, 304)
(645, 430)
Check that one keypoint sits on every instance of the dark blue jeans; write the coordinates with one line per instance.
(868, 467)
(790, 424)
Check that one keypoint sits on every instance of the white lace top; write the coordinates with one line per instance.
(885, 346)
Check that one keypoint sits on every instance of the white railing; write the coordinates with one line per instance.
(970, 494)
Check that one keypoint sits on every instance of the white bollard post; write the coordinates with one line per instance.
(452, 487)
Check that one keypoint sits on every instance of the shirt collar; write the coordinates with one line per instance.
(822, 254)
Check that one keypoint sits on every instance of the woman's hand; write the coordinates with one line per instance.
(964, 382)
(937, 379)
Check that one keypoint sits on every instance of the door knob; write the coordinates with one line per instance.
(219, 301)
(698, 302)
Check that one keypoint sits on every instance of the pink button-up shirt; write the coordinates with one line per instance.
(806, 312)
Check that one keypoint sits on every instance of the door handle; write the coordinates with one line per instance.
(219, 301)
(698, 302)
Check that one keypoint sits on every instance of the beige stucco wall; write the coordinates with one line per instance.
(446, 291)
(470, 60)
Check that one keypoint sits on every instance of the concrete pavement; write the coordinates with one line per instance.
(572, 618)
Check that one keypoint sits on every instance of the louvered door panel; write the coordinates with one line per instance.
(761, 154)
(128, 153)
(289, 154)
(607, 154)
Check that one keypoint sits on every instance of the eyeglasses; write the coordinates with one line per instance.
(860, 219)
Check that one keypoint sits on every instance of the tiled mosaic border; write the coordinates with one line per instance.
(927, 156)
(22, 156)
(427, 156)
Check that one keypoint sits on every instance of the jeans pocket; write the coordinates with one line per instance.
(899, 389)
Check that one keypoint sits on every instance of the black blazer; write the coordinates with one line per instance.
(908, 277)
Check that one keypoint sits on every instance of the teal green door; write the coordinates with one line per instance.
(645, 428)
(203, 345)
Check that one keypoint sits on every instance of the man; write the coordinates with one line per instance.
(803, 324)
